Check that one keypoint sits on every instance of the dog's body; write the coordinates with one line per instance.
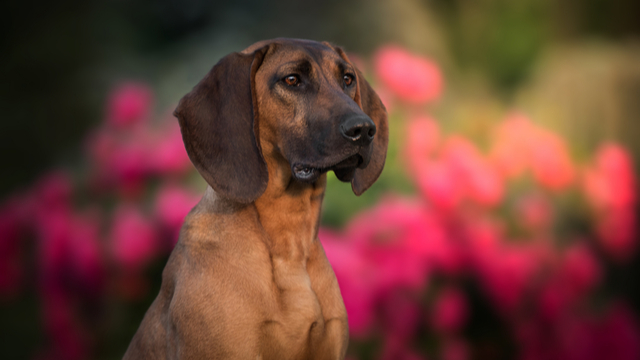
(248, 278)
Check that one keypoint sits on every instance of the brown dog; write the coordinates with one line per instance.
(248, 278)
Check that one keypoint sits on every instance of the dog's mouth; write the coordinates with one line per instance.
(344, 169)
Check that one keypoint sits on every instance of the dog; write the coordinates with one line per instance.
(248, 278)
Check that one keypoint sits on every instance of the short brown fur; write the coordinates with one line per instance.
(248, 278)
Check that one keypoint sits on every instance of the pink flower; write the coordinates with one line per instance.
(384, 234)
(400, 314)
(507, 274)
(412, 78)
(167, 154)
(617, 230)
(133, 238)
(610, 183)
(68, 338)
(510, 151)
(437, 181)
(353, 272)
(481, 183)
(550, 160)
(129, 103)
(449, 311)
(535, 212)
(619, 335)
(120, 159)
(173, 203)
(455, 350)
(519, 145)
(610, 188)
(422, 137)
(580, 269)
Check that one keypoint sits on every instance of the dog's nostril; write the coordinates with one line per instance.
(355, 133)
(372, 131)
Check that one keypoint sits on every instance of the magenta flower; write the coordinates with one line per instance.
(133, 238)
(550, 161)
(128, 104)
(356, 283)
(510, 151)
(412, 78)
(422, 138)
(167, 154)
(173, 203)
(610, 187)
(610, 182)
(481, 183)
(449, 311)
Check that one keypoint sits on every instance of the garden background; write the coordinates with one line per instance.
(504, 226)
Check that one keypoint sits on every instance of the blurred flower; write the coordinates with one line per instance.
(454, 350)
(550, 160)
(449, 311)
(475, 175)
(506, 275)
(610, 187)
(534, 212)
(422, 137)
(610, 182)
(173, 203)
(413, 78)
(133, 238)
(619, 335)
(353, 272)
(168, 154)
(436, 180)
(520, 145)
(120, 160)
(129, 103)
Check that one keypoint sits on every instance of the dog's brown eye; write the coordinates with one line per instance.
(292, 80)
(348, 79)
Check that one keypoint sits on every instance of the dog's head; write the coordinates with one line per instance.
(303, 97)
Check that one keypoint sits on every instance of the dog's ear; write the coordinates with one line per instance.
(371, 104)
(218, 121)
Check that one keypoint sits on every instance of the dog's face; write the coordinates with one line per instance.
(307, 97)
(303, 97)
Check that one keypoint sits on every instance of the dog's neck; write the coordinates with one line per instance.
(289, 210)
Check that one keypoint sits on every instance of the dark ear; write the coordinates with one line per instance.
(218, 119)
(371, 104)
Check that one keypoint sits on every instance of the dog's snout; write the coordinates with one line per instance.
(358, 129)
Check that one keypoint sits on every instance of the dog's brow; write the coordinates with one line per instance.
(303, 66)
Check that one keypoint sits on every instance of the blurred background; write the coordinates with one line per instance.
(503, 227)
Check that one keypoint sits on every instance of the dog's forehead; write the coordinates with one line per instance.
(294, 49)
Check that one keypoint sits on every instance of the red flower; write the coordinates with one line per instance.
(133, 238)
(475, 175)
(129, 103)
(449, 311)
(173, 203)
(167, 154)
(412, 78)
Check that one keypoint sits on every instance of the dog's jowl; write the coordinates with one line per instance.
(248, 278)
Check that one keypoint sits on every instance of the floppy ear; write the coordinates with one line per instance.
(218, 121)
(371, 104)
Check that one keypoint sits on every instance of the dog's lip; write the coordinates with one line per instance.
(306, 172)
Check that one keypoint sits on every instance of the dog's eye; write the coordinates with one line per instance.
(348, 79)
(292, 80)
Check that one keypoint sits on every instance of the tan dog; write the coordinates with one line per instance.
(248, 278)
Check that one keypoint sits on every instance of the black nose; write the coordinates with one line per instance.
(358, 129)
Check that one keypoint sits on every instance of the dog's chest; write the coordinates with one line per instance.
(296, 327)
